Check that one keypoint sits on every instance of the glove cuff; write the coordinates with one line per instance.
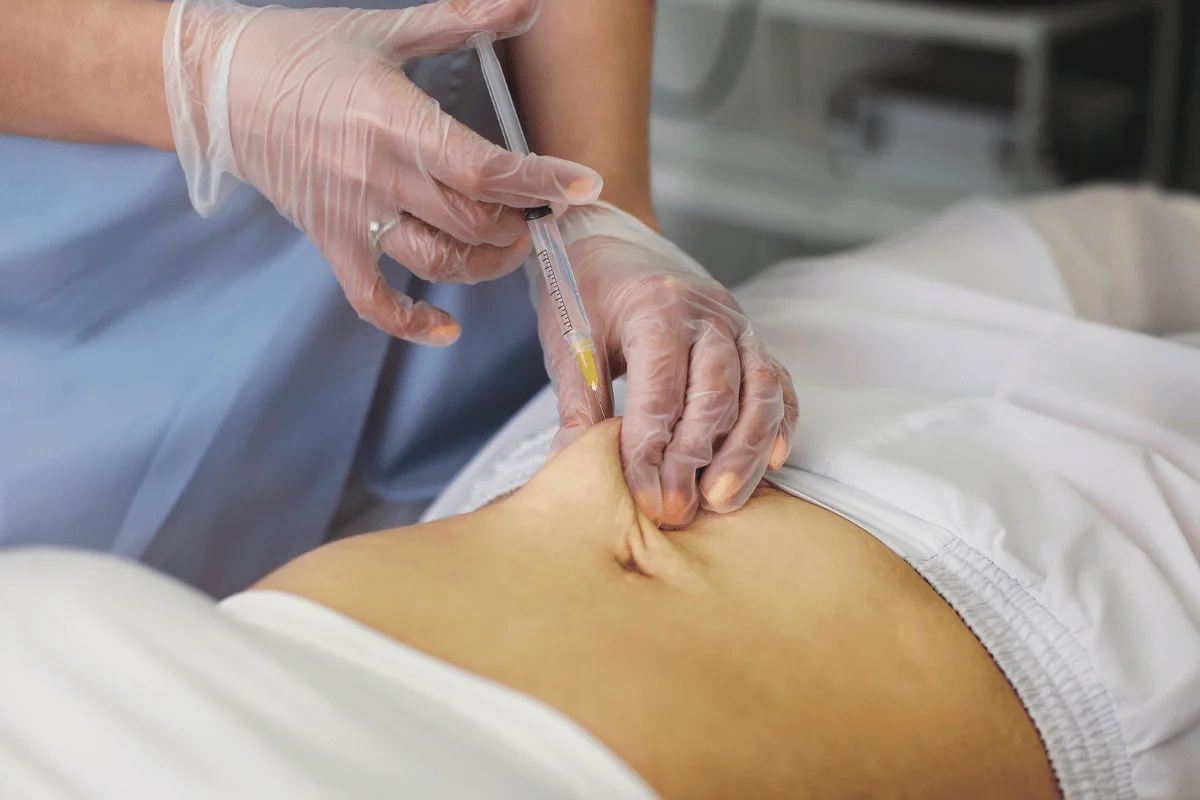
(606, 220)
(579, 222)
(198, 48)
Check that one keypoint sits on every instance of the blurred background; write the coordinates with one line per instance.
(790, 127)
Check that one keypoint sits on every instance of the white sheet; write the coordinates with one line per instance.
(969, 396)
(120, 683)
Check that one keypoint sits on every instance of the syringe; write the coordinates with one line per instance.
(548, 245)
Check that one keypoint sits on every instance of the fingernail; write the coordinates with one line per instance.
(648, 503)
(778, 453)
(721, 493)
(584, 190)
(443, 335)
(674, 507)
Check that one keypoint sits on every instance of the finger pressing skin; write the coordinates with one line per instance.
(710, 410)
(435, 255)
(655, 340)
(579, 408)
(391, 311)
(742, 458)
(782, 447)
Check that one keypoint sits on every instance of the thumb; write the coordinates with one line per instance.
(579, 407)
(446, 25)
(563, 439)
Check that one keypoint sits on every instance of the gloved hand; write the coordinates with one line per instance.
(312, 107)
(702, 392)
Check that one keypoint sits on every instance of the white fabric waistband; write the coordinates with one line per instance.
(1046, 666)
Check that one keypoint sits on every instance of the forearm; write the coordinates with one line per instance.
(582, 78)
(84, 70)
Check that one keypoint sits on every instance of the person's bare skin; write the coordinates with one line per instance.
(775, 652)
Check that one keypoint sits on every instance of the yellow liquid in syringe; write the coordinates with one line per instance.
(585, 356)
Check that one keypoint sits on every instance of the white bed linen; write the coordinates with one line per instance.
(120, 683)
(973, 396)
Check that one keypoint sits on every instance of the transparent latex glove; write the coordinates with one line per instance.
(707, 408)
(312, 107)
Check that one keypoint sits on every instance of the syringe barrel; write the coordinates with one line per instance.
(493, 76)
(552, 262)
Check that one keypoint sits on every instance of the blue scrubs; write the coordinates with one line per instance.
(194, 393)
